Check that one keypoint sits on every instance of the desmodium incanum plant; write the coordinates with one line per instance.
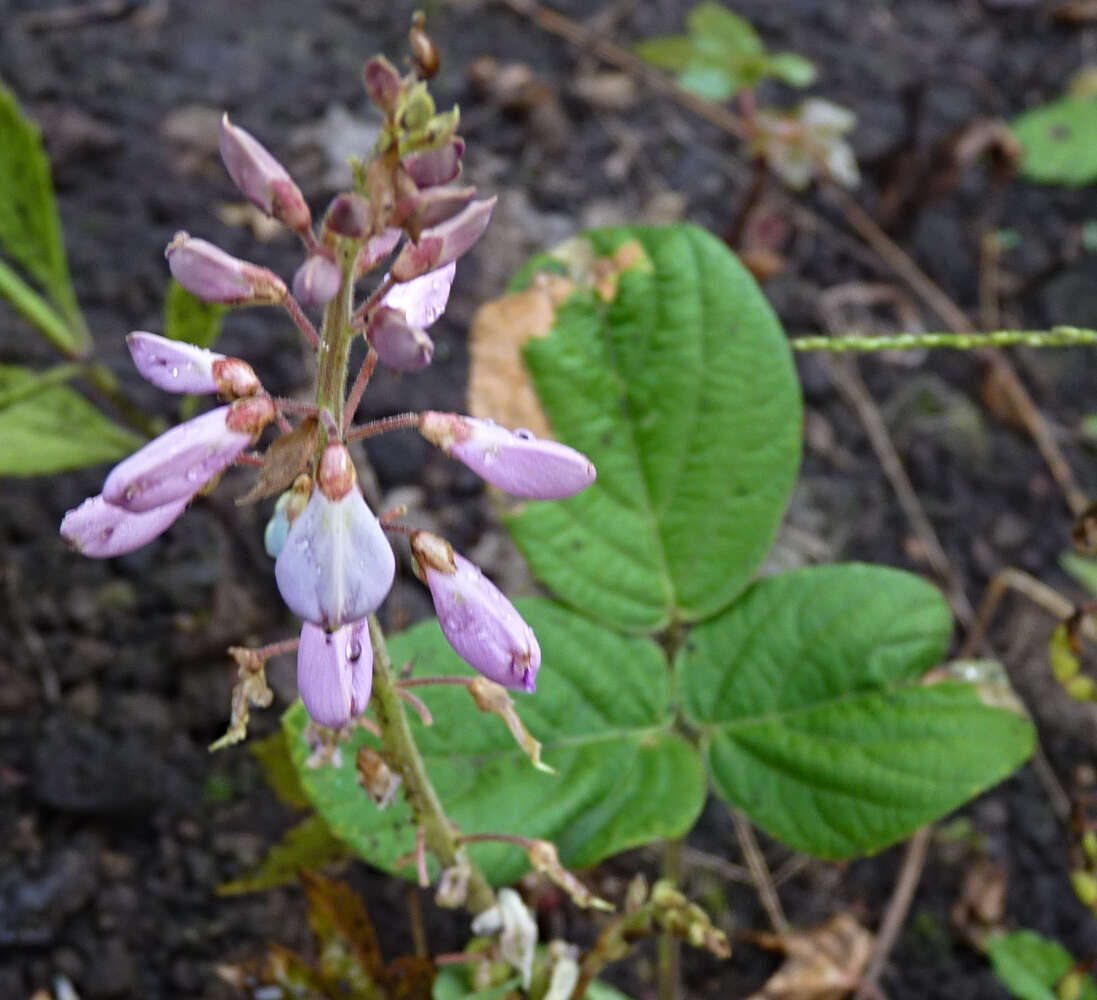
(809, 700)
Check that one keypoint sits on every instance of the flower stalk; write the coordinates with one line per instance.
(402, 755)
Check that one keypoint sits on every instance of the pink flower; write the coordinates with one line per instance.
(432, 167)
(178, 463)
(175, 366)
(396, 326)
(335, 672)
(211, 274)
(336, 566)
(480, 624)
(317, 280)
(261, 178)
(514, 461)
(445, 242)
(101, 530)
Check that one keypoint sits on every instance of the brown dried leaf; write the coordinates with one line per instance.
(337, 914)
(981, 902)
(287, 456)
(499, 385)
(492, 697)
(824, 963)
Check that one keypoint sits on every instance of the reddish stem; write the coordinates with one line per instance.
(359, 387)
(304, 324)
(398, 421)
(358, 320)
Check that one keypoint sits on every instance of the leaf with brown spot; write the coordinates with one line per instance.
(824, 963)
(285, 459)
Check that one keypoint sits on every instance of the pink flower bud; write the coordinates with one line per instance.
(336, 565)
(215, 276)
(175, 366)
(336, 475)
(399, 345)
(480, 624)
(382, 83)
(335, 672)
(376, 249)
(261, 178)
(349, 216)
(178, 463)
(443, 243)
(432, 167)
(316, 281)
(514, 461)
(422, 300)
(432, 206)
(101, 530)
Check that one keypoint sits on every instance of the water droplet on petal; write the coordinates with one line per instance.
(524, 434)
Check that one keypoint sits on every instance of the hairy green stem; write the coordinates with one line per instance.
(402, 755)
(335, 340)
(1057, 336)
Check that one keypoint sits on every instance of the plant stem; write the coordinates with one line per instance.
(335, 338)
(669, 948)
(402, 754)
(1057, 336)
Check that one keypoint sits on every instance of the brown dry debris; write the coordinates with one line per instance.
(824, 963)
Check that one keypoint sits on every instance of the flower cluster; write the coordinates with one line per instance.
(333, 563)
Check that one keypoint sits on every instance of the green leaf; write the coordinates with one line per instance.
(1058, 141)
(1082, 569)
(308, 844)
(188, 318)
(1031, 966)
(683, 393)
(48, 428)
(30, 228)
(272, 753)
(735, 34)
(790, 68)
(674, 52)
(602, 711)
(714, 83)
(815, 719)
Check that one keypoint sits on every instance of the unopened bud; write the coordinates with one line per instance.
(423, 50)
(286, 509)
(432, 206)
(177, 464)
(382, 84)
(1085, 886)
(336, 476)
(101, 530)
(417, 108)
(514, 461)
(431, 167)
(375, 250)
(349, 216)
(317, 280)
(480, 624)
(399, 345)
(211, 274)
(445, 242)
(173, 365)
(261, 178)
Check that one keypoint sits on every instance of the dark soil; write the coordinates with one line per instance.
(116, 824)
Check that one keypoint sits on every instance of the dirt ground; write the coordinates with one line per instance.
(116, 824)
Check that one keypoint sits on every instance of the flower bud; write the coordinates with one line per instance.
(336, 565)
(431, 167)
(178, 463)
(399, 345)
(317, 280)
(176, 366)
(349, 216)
(432, 206)
(423, 49)
(335, 672)
(479, 623)
(336, 476)
(101, 530)
(375, 250)
(514, 461)
(286, 509)
(215, 276)
(261, 178)
(382, 84)
(443, 243)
